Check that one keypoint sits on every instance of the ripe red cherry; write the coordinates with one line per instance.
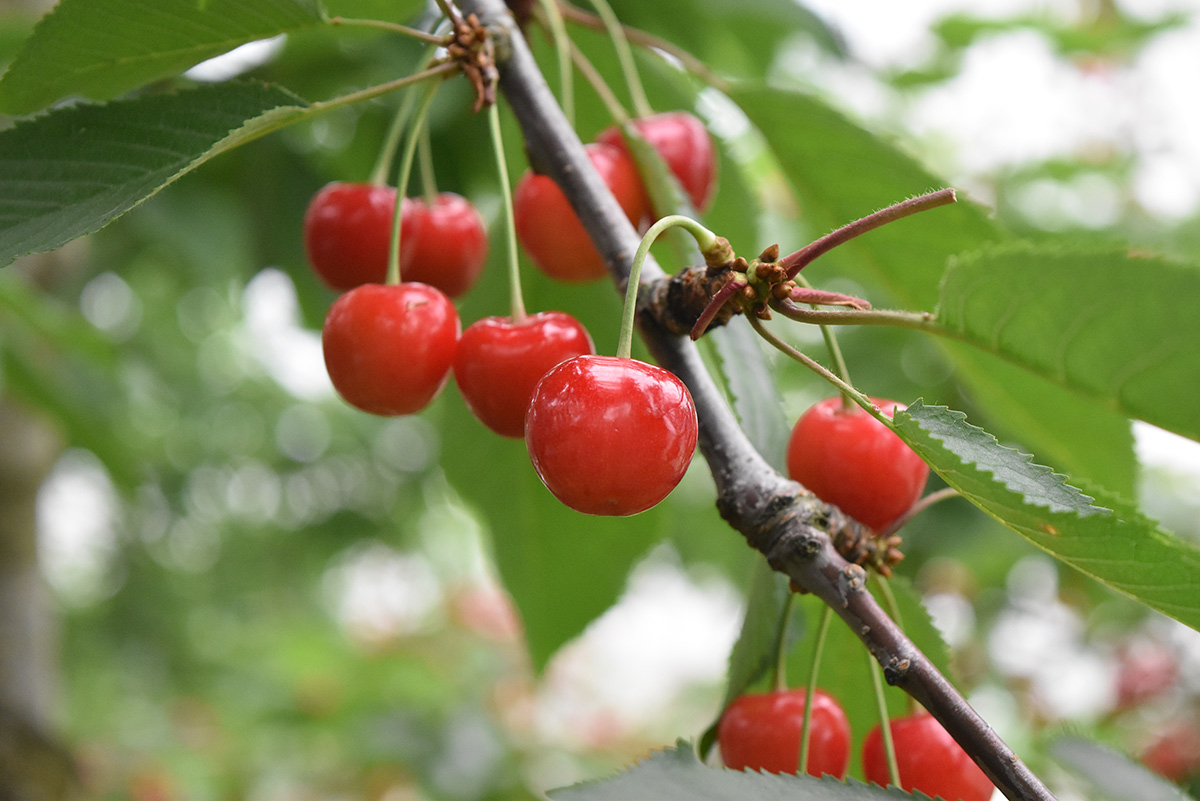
(388, 348)
(499, 362)
(444, 244)
(347, 232)
(684, 144)
(851, 460)
(929, 760)
(762, 732)
(548, 228)
(610, 436)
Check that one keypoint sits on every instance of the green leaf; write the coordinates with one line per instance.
(840, 172)
(1119, 328)
(678, 775)
(1102, 537)
(71, 172)
(102, 48)
(752, 389)
(1111, 774)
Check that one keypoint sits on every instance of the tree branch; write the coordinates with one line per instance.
(776, 516)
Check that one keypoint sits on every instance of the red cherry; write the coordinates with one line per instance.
(929, 760)
(610, 436)
(1175, 752)
(552, 234)
(499, 362)
(684, 144)
(851, 460)
(762, 732)
(443, 245)
(388, 348)
(347, 232)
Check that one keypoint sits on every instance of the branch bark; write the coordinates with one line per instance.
(776, 516)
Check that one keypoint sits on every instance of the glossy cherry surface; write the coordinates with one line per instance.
(347, 232)
(850, 459)
(444, 244)
(389, 348)
(548, 228)
(684, 144)
(929, 760)
(761, 731)
(610, 436)
(499, 362)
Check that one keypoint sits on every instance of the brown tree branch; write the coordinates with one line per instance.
(775, 515)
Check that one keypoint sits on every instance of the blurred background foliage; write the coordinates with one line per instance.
(263, 594)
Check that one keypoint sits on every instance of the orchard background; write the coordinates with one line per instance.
(240, 588)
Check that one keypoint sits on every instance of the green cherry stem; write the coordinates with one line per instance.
(637, 91)
(885, 723)
(562, 50)
(810, 690)
(831, 344)
(391, 27)
(945, 493)
(428, 176)
(779, 669)
(383, 163)
(705, 239)
(406, 162)
(607, 96)
(516, 300)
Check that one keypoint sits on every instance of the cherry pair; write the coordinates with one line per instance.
(552, 234)
(762, 732)
(348, 233)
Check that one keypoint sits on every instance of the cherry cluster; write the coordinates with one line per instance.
(607, 435)
(762, 731)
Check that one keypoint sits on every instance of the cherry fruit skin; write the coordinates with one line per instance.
(610, 436)
(929, 760)
(499, 362)
(443, 244)
(851, 460)
(761, 731)
(389, 348)
(684, 144)
(347, 232)
(548, 228)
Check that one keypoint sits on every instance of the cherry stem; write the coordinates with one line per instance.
(562, 50)
(404, 30)
(831, 344)
(885, 723)
(779, 669)
(844, 387)
(428, 176)
(383, 164)
(917, 321)
(637, 92)
(601, 87)
(516, 301)
(921, 505)
(651, 42)
(810, 690)
(893, 610)
(705, 240)
(406, 162)
(795, 262)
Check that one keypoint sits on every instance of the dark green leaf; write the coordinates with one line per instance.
(1111, 774)
(840, 172)
(1101, 537)
(677, 775)
(72, 171)
(1119, 328)
(102, 48)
